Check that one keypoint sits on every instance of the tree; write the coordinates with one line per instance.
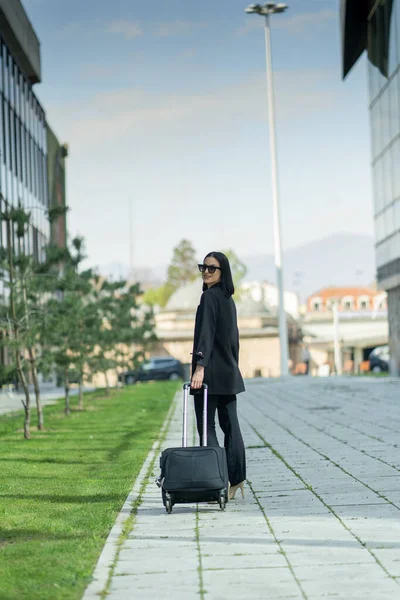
(126, 328)
(16, 341)
(159, 296)
(70, 317)
(103, 359)
(238, 268)
(183, 266)
(134, 323)
(27, 281)
(29, 300)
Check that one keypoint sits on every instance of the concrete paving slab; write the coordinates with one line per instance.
(314, 523)
(241, 560)
(354, 578)
(257, 584)
(303, 556)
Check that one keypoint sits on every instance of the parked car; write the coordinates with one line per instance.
(379, 359)
(155, 369)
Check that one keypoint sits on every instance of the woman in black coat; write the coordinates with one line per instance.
(215, 362)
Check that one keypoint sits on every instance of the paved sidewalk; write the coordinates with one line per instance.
(320, 518)
(12, 401)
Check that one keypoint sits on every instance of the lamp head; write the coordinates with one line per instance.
(253, 8)
(266, 9)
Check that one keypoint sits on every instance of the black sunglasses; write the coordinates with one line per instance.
(210, 268)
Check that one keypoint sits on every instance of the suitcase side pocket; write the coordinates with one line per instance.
(192, 468)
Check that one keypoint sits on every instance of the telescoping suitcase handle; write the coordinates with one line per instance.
(186, 388)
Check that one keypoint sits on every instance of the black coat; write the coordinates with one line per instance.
(216, 342)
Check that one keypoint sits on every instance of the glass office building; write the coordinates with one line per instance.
(374, 26)
(25, 158)
(32, 162)
(23, 173)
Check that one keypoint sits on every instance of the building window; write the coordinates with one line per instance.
(393, 41)
(3, 130)
(316, 304)
(22, 148)
(363, 303)
(4, 234)
(397, 211)
(378, 177)
(12, 81)
(1, 67)
(7, 152)
(348, 303)
(396, 167)
(5, 72)
(35, 243)
(387, 178)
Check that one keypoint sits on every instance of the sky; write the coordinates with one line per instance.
(164, 108)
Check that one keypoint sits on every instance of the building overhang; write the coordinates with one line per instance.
(357, 316)
(354, 29)
(20, 38)
(388, 275)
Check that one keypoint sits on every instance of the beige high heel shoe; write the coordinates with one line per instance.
(234, 488)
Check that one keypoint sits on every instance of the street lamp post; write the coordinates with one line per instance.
(266, 10)
(336, 339)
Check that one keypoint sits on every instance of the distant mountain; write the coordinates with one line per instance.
(338, 260)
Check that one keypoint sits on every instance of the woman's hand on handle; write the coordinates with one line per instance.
(197, 378)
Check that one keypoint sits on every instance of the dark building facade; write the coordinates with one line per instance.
(56, 155)
(374, 26)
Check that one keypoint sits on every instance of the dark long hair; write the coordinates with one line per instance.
(226, 282)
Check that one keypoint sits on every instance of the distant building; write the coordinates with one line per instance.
(268, 294)
(258, 327)
(348, 299)
(374, 26)
(363, 324)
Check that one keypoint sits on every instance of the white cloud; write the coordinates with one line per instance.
(173, 152)
(136, 115)
(303, 22)
(130, 30)
(176, 28)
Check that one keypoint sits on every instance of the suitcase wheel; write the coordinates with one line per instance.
(167, 501)
(168, 505)
(222, 500)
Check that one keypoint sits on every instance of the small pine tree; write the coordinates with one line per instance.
(183, 266)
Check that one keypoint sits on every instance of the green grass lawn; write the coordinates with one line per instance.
(61, 491)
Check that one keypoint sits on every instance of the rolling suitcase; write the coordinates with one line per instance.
(193, 474)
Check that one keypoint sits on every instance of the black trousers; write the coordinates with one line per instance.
(228, 421)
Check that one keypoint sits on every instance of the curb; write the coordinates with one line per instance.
(110, 549)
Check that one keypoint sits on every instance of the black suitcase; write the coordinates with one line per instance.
(195, 474)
